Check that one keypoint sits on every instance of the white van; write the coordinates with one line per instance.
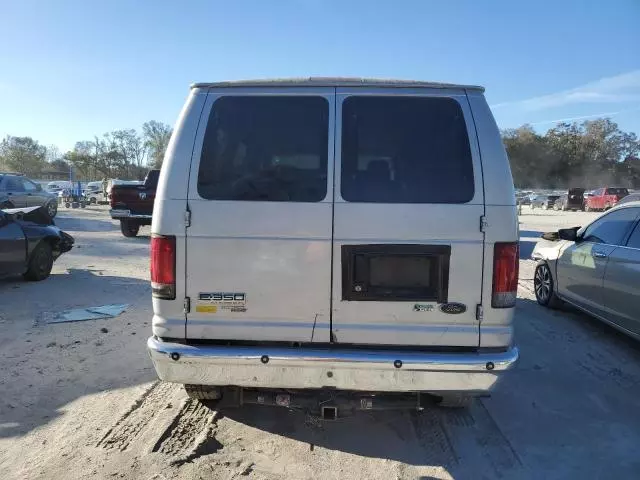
(334, 234)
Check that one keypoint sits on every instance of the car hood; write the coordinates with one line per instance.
(30, 214)
(548, 249)
(37, 225)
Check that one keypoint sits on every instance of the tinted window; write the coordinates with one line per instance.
(634, 239)
(617, 191)
(266, 149)
(405, 150)
(29, 186)
(14, 184)
(611, 228)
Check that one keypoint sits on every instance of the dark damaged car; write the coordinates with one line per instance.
(30, 242)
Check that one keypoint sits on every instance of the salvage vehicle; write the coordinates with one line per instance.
(544, 201)
(334, 242)
(604, 198)
(594, 268)
(132, 204)
(17, 191)
(30, 243)
(572, 200)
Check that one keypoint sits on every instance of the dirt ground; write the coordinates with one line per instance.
(81, 400)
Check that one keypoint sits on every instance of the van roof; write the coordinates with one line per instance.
(333, 82)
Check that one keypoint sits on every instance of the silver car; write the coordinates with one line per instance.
(595, 268)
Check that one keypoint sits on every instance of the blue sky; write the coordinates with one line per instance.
(70, 70)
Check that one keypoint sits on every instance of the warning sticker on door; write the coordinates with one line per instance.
(206, 308)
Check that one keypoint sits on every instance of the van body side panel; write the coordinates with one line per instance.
(259, 270)
(496, 328)
(169, 209)
(387, 227)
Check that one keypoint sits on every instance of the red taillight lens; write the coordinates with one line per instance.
(505, 275)
(163, 267)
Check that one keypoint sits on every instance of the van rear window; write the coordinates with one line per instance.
(405, 150)
(265, 148)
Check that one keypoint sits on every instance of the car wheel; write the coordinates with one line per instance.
(543, 287)
(4, 205)
(40, 263)
(52, 209)
(129, 229)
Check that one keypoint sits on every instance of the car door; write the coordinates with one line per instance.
(260, 195)
(13, 248)
(621, 288)
(582, 265)
(408, 202)
(14, 190)
(33, 195)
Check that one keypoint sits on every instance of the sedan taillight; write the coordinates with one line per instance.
(163, 267)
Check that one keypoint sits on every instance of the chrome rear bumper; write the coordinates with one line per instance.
(120, 213)
(363, 370)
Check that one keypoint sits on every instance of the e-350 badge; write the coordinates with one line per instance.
(210, 302)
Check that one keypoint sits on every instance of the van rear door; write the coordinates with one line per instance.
(408, 245)
(260, 197)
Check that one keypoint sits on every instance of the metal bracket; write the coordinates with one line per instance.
(483, 223)
(187, 218)
(479, 313)
(186, 305)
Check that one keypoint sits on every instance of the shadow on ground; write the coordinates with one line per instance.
(414, 438)
(47, 366)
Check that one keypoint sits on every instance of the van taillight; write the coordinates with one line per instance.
(163, 267)
(505, 275)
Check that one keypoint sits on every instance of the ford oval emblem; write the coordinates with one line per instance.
(453, 308)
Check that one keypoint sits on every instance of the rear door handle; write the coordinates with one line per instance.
(599, 254)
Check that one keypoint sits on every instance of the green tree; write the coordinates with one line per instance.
(23, 155)
(156, 138)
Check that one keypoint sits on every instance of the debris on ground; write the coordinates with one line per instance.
(88, 313)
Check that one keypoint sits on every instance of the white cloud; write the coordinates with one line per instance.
(617, 89)
(584, 117)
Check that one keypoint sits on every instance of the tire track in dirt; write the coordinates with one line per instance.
(133, 421)
(190, 435)
(433, 438)
(475, 434)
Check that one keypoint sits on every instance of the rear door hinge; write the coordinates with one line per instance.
(483, 223)
(479, 313)
(187, 218)
(186, 305)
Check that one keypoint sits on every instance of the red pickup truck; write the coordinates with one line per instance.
(133, 204)
(604, 198)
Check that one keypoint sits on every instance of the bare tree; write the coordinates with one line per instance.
(156, 137)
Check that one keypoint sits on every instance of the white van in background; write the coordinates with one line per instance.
(322, 235)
